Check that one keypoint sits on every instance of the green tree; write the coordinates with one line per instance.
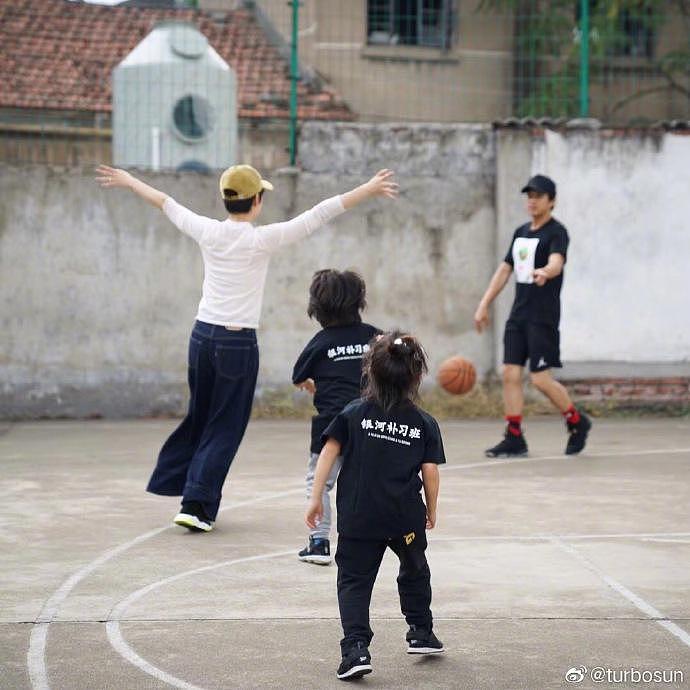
(621, 40)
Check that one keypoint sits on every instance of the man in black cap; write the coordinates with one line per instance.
(536, 255)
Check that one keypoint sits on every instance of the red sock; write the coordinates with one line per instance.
(514, 422)
(572, 415)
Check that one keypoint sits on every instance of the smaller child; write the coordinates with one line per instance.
(330, 367)
(385, 441)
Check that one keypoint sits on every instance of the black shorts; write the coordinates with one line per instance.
(537, 342)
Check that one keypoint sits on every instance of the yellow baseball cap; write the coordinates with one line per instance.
(242, 182)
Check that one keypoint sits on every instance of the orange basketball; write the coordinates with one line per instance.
(457, 375)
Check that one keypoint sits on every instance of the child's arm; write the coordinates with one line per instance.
(324, 466)
(272, 237)
(115, 177)
(431, 481)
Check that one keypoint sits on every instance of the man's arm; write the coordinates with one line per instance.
(497, 283)
(553, 268)
(324, 465)
(276, 235)
(116, 177)
(431, 481)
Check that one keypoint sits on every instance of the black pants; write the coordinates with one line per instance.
(195, 460)
(358, 564)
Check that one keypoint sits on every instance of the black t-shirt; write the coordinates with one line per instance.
(530, 249)
(379, 484)
(333, 358)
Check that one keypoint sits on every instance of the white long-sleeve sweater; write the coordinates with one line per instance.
(236, 257)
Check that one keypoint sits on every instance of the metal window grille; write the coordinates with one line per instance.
(409, 22)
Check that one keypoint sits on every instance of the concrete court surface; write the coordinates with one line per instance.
(538, 566)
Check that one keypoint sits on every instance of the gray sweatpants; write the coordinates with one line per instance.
(323, 529)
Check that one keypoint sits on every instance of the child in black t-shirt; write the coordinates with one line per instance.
(330, 367)
(385, 442)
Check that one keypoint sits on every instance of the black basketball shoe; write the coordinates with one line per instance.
(356, 663)
(511, 446)
(316, 551)
(422, 641)
(577, 434)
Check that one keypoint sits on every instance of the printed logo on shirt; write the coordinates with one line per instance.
(343, 352)
(524, 252)
(391, 431)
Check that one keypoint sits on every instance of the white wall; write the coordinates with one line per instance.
(626, 203)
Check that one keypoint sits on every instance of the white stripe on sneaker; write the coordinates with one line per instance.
(319, 560)
(361, 668)
(425, 650)
(192, 522)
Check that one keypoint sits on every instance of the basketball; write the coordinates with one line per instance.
(457, 375)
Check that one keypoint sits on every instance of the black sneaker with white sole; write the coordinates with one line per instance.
(193, 517)
(511, 446)
(577, 434)
(423, 641)
(318, 551)
(356, 662)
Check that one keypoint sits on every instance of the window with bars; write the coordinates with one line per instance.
(409, 22)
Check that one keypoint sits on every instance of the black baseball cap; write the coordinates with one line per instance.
(541, 184)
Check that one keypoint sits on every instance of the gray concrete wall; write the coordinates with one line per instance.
(98, 291)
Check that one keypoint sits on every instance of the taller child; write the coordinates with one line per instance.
(536, 255)
(223, 353)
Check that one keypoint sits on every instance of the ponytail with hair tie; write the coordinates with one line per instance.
(393, 368)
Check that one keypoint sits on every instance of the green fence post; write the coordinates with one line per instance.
(584, 58)
(294, 76)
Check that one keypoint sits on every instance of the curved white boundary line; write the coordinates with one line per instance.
(118, 643)
(35, 658)
(37, 641)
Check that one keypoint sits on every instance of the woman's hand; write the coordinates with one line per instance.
(113, 177)
(382, 184)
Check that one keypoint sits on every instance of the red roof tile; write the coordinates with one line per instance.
(59, 55)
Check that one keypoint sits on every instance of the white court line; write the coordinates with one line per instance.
(633, 598)
(644, 536)
(663, 540)
(91, 455)
(127, 652)
(607, 454)
(112, 626)
(37, 641)
(38, 673)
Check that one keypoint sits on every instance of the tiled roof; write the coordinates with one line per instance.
(59, 55)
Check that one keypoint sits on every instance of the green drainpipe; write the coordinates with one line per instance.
(584, 58)
(294, 76)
